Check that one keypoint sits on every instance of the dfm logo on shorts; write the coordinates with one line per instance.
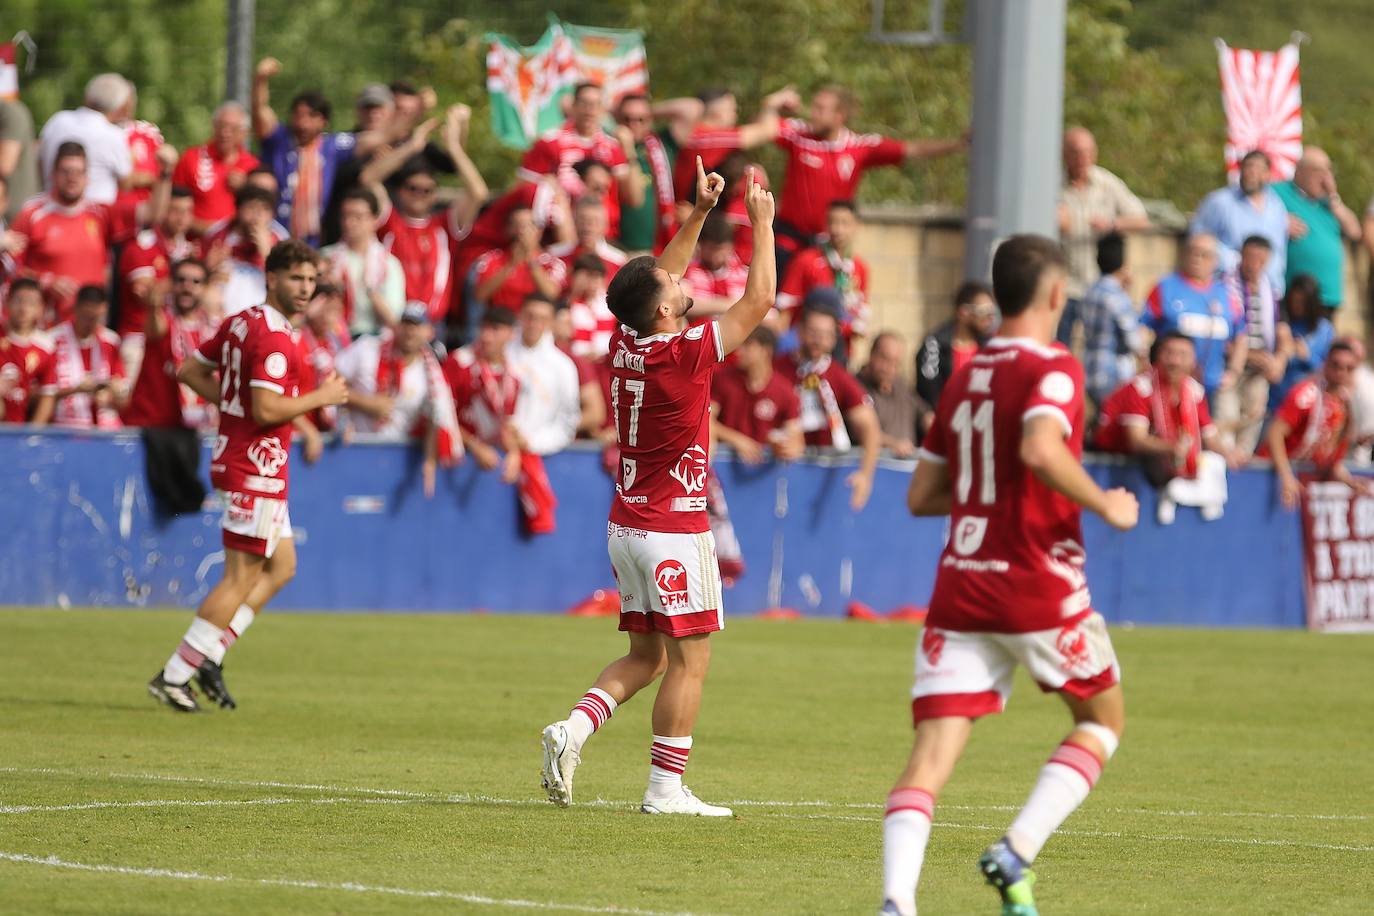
(267, 456)
(933, 645)
(671, 579)
(690, 470)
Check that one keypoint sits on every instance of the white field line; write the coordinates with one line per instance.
(350, 886)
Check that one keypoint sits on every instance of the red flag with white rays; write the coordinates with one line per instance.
(1262, 97)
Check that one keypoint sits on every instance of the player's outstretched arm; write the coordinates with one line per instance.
(761, 290)
(1047, 455)
(678, 252)
(272, 409)
(930, 492)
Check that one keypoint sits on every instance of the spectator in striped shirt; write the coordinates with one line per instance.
(1112, 345)
(589, 317)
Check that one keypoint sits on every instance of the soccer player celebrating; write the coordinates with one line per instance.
(258, 364)
(1003, 461)
(659, 536)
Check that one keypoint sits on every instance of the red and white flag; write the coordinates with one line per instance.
(1262, 98)
(9, 72)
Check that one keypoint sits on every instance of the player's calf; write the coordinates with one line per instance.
(1065, 781)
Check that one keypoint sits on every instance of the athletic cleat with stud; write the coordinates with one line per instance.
(1005, 870)
(560, 762)
(890, 909)
(684, 802)
(210, 677)
(178, 696)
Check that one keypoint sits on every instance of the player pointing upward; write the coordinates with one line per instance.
(1003, 461)
(659, 536)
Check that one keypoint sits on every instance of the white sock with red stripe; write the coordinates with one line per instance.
(242, 620)
(906, 830)
(202, 637)
(1064, 783)
(667, 763)
(590, 713)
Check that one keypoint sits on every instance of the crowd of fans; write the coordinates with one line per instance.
(473, 320)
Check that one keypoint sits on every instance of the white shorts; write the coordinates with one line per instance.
(254, 524)
(669, 583)
(969, 674)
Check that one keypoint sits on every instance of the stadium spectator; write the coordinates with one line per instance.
(236, 251)
(145, 267)
(303, 155)
(323, 335)
(1318, 225)
(736, 170)
(18, 156)
(420, 238)
(1093, 203)
(485, 393)
(590, 320)
(27, 371)
(1234, 213)
(826, 161)
(591, 402)
(1194, 301)
(832, 262)
(581, 137)
(946, 349)
(715, 279)
(1305, 336)
(1241, 410)
(1361, 405)
(835, 409)
(91, 386)
(95, 127)
(1313, 424)
(717, 132)
(67, 236)
(902, 416)
(507, 276)
(1161, 416)
(11, 245)
(263, 177)
(144, 139)
(174, 324)
(1112, 345)
(648, 226)
(371, 279)
(753, 406)
(589, 225)
(215, 170)
(547, 410)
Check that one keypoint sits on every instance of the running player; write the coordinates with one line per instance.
(659, 536)
(258, 364)
(1003, 461)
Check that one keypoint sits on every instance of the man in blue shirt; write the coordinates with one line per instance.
(1234, 213)
(1198, 305)
(1111, 328)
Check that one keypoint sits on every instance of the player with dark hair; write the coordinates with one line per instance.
(1003, 460)
(659, 536)
(251, 369)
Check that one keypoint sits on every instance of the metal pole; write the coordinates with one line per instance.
(238, 71)
(1018, 122)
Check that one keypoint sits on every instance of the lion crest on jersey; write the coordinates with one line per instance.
(267, 456)
(671, 578)
(690, 470)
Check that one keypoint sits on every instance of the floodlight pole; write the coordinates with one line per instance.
(238, 69)
(1018, 122)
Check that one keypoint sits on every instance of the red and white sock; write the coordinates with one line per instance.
(591, 712)
(667, 763)
(201, 640)
(906, 830)
(1064, 783)
(242, 620)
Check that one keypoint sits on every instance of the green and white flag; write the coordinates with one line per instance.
(612, 58)
(527, 85)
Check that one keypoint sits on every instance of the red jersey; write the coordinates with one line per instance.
(71, 242)
(726, 283)
(556, 152)
(484, 394)
(488, 231)
(318, 354)
(158, 399)
(26, 364)
(820, 171)
(206, 174)
(757, 414)
(827, 391)
(713, 145)
(611, 257)
(75, 360)
(1136, 403)
(145, 139)
(149, 256)
(241, 246)
(425, 249)
(1014, 560)
(519, 283)
(1318, 421)
(824, 266)
(253, 349)
(592, 326)
(661, 406)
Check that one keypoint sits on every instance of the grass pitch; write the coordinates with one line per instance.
(390, 764)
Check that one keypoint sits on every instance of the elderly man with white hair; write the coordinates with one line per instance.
(1318, 223)
(215, 170)
(96, 126)
(1092, 203)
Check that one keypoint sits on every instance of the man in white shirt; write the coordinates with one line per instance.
(396, 388)
(95, 125)
(548, 408)
(372, 279)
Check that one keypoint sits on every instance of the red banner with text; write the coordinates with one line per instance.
(1338, 542)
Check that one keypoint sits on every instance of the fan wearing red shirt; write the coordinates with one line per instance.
(27, 371)
(251, 369)
(215, 170)
(91, 386)
(717, 132)
(236, 251)
(485, 393)
(590, 322)
(826, 161)
(716, 277)
(659, 536)
(753, 406)
(589, 226)
(832, 263)
(145, 265)
(556, 152)
(1313, 424)
(506, 276)
(172, 332)
(1003, 461)
(145, 139)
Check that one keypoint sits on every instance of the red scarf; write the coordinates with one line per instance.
(373, 277)
(184, 336)
(441, 410)
(663, 189)
(1168, 429)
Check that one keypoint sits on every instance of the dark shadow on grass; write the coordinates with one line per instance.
(149, 706)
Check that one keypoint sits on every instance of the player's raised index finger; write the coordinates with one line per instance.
(701, 169)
